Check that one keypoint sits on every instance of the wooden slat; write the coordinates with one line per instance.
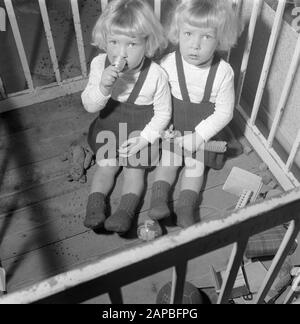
(104, 3)
(285, 93)
(237, 6)
(2, 90)
(286, 179)
(42, 94)
(178, 281)
(2, 279)
(232, 270)
(2, 20)
(157, 8)
(19, 43)
(21, 120)
(50, 40)
(278, 260)
(257, 6)
(78, 31)
(32, 150)
(268, 59)
(294, 151)
(294, 291)
(116, 296)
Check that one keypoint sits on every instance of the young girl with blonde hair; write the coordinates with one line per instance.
(202, 86)
(132, 94)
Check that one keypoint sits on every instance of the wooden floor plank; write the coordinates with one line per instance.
(21, 179)
(40, 115)
(36, 151)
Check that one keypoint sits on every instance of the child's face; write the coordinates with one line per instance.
(132, 49)
(197, 45)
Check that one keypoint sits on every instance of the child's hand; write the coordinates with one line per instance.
(109, 78)
(132, 146)
(191, 142)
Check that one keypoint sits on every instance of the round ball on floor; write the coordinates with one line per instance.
(191, 294)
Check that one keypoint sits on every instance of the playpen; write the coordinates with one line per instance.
(111, 273)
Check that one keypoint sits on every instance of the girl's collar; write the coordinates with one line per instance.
(205, 65)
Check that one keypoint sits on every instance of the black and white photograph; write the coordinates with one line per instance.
(149, 155)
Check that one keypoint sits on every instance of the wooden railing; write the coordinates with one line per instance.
(263, 145)
(111, 273)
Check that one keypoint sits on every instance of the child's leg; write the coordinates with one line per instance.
(191, 183)
(101, 185)
(133, 186)
(165, 176)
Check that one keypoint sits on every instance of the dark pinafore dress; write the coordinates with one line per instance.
(187, 115)
(124, 118)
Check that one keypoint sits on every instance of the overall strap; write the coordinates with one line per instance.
(181, 78)
(141, 79)
(140, 82)
(211, 78)
(107, 63)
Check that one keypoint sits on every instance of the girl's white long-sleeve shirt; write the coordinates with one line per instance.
(223, 94)
(155, 91)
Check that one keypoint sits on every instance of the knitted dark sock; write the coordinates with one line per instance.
(186, 208)
(120, 222)
(159, 208)
(95, 211)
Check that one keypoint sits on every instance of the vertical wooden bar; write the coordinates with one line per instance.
(232, 271)
(79, 38)
(2, 90)
(19, 43)
(285, 93)
(236, 4)
(278, 261)
(116, 296)
(178, 281)
(287, 180)
(257, 6)
(2, 20)
(293, 153)
(294, 292)
(268, 59)
(50, 40)
(157, 8)
(2, 279)
(104, 3)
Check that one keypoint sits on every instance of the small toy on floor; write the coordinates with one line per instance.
(80, 160)
(149, 231)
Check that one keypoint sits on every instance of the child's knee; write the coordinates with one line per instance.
(133, 173)
(106, 170)
(107, 163)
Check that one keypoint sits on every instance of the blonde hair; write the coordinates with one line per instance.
(218, 14)
(133, 18)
